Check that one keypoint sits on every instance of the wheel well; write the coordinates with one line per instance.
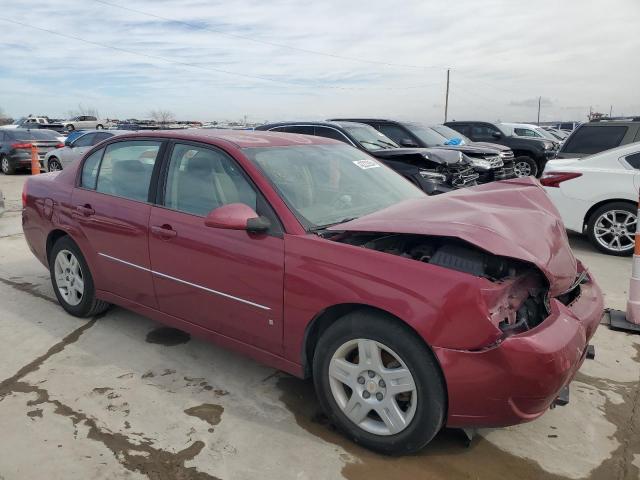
(52, 238)
(327, 317)
(522, 153)
(600, 204)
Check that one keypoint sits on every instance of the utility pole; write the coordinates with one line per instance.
(446, 99)
(539, 103)
(610, 111)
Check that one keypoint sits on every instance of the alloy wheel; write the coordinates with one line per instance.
(69, 277)
(4, 165)
(373, 387)
(615, 230)
(522, 169)
(54, 165)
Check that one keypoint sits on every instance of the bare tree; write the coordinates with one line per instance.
(162, 116)
(82, 110)
(4, 120)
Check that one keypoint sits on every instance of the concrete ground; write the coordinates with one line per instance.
(119, 397)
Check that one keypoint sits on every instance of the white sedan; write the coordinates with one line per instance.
(598, 195)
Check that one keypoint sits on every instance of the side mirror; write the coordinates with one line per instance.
(407, 142)
(67, 143)
(496, 135)
(237, 216)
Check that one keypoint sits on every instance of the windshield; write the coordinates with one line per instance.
(429, 136)
(370, 138)
(328, 184)
(450, 133)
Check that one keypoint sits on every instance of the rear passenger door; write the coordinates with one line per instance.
(111, 211)
(226, 281)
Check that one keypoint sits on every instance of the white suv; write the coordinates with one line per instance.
(83, 122)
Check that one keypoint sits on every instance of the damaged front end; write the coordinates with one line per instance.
(516, 296)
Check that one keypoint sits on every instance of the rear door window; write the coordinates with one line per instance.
(633, 160)
(594, 139)
(126, 169)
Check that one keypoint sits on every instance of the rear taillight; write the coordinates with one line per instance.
(24, 194)
(60, 145)
(554, 179)
(21, 146)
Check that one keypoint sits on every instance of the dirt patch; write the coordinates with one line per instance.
(445, 458)
(35, 413)
(101, 390)
(139, 456)
(209, 412)
(169, 337)
(626, 417)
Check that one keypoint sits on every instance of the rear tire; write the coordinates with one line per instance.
(406, 387)
(54, 165)
(6, 167)
(72, 281)
(99, 127)
(525, 166)
(610, 221)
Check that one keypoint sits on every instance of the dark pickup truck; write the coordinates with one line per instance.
(531, 154)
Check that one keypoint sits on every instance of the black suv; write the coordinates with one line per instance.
(600, 135)
(491, 162)
(531, 154)
(434, 170)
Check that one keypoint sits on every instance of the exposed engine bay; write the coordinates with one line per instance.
(519, 303)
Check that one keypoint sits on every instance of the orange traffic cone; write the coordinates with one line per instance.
(35, 161)
(631, 321)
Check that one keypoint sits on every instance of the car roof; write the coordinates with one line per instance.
(239, 138)
(316, 123)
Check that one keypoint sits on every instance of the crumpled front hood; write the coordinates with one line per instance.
(512, 218)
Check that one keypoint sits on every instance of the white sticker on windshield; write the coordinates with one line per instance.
(365, 164)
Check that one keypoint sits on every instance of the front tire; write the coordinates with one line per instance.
(54, 165)
(72, 281)
(6, 167)
(99, 127)
(525, 167)
(612, 227)
(379, 383)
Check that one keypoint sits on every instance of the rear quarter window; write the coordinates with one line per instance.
(633, 160)
(594, 139)
(90, 170)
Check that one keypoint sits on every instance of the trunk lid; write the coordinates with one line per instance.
(513, 218)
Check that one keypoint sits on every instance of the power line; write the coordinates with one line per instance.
(266, 42)
(211, 69)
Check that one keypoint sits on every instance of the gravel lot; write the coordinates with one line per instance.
(121, 397)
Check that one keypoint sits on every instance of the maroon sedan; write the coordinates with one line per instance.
(410, 312)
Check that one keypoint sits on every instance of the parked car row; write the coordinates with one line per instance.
(411, 312)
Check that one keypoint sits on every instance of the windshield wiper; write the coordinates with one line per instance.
(324, 227)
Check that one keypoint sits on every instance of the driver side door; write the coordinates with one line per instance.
(226, 281)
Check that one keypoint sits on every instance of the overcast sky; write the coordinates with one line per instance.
(293, 59)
